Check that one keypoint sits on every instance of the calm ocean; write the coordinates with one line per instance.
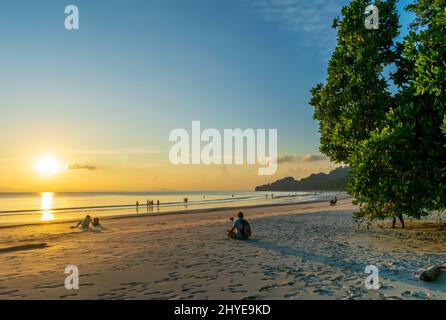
(23, 208)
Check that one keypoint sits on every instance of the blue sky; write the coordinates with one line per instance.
(160, 64)
(138, 69)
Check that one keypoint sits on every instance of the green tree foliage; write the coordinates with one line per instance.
(444, 126)
(355, 97)
(400, 169)
(398, 163)
(425, 47)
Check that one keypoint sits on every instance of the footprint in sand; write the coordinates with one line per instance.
(68, 295)
(8, 292)
(48, 286)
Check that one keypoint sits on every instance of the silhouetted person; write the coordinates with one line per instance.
(96, 222)
(84, 223)
(333, 201)
(241, 228)
(400, 217)
(137, 206)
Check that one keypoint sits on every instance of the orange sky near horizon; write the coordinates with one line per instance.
(138, 170)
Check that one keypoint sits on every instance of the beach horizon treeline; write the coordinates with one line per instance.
(389, 127)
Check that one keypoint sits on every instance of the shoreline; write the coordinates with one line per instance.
(106, 207)
(341, 196)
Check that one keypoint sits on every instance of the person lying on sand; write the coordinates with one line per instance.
(96, 222)
(84, 223)
(240, 229)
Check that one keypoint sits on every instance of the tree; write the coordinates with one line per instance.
(398, 163)
(355, 97)
(443, 128)
(400, 169)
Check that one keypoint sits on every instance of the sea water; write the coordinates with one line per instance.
(24, 208)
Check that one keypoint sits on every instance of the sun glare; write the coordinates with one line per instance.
(48, 166)
(46, 206)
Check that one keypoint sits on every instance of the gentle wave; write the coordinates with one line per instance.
(18, 209)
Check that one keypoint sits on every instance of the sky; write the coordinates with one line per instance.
(103, 99)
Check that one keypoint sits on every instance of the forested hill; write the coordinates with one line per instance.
(336, 180)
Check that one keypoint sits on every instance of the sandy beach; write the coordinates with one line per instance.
(299, 251)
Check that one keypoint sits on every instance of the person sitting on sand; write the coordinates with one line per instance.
(96, 222)
(85, 223)
(97, 225)
(333, 201)
(240, 229)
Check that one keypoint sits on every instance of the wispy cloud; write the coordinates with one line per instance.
(313, 19)
(291, 158)
(78, 166)
(287, 157)
(314, 157)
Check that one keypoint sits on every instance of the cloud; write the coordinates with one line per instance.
(78, 166)
(314, 157)
(290, 158)
(287, 157)
(310, 18)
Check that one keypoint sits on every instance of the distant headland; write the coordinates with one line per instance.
(336, 180)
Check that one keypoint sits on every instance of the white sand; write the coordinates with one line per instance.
(306, 251)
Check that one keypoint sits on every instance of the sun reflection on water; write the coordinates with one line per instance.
(46, 206)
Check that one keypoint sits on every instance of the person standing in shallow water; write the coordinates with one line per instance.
(137, 206)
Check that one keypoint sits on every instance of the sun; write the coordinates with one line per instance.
(48, 166)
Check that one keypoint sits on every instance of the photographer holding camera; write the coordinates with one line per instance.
(241, 228)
